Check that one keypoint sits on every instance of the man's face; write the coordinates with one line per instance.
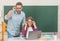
(18, 8)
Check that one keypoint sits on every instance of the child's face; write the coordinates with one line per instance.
(29, 22)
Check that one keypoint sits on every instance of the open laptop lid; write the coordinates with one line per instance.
(34, 35)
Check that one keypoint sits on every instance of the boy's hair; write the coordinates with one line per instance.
(29, 18)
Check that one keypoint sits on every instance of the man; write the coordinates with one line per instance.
(15, 17)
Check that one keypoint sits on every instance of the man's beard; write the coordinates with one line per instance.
(18, 12)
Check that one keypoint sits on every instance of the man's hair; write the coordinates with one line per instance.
(19, 3)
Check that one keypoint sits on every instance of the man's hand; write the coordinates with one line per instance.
(13, 8)
(10, 13)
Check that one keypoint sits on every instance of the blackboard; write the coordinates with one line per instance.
(46, 17)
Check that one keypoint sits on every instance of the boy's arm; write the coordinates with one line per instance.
(35, 27)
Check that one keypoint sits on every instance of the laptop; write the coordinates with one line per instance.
(34, 35)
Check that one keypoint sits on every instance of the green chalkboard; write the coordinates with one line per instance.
(46, 17)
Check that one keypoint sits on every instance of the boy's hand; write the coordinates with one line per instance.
(25, 26)
(34, 23)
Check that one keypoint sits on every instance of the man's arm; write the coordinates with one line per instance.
(23, 21)
(9, 14)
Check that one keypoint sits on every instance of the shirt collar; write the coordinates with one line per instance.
(16, 12)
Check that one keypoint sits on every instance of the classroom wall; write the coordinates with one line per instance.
(30, 2)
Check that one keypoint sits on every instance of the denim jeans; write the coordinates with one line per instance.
(10, 36)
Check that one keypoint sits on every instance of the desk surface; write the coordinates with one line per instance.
(22, 39)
